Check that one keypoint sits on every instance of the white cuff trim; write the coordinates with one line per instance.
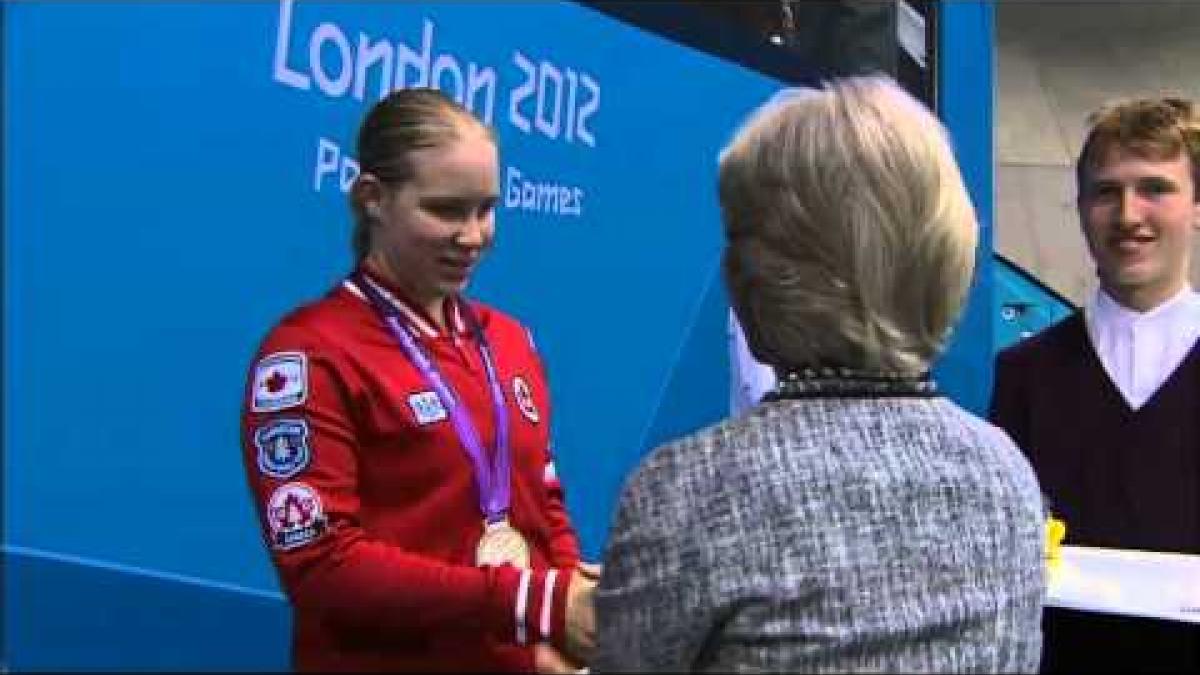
(522, 605)
(548, 603)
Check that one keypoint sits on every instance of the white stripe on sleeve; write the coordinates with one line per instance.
(548, 602)
(522, 604)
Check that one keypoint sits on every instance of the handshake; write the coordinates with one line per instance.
(580, 641)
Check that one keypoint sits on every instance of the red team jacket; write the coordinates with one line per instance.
(368, 500)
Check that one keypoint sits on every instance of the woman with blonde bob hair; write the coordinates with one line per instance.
(851, 238)
(855, 520)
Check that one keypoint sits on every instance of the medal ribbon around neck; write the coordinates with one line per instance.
(492, 479)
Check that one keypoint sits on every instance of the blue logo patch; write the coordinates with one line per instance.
(427, 407)
(283, 447)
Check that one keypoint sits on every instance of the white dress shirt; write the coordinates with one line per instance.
(1140, 350)
(749, 380)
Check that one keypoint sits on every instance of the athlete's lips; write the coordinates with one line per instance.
(457, 267)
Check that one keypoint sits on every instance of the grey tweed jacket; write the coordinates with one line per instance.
(828, 535)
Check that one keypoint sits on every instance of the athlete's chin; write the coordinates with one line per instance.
(453, 286)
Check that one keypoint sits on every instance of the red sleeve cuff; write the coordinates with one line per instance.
(558, 608)
(532, 604)
(508, 610)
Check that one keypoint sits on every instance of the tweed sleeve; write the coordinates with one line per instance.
(649, 613)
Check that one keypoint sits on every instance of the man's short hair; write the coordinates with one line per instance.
(850, 234)
(1157, 129)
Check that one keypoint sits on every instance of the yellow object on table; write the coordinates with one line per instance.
(1056, 531)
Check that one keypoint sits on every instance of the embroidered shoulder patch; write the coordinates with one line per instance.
(524, 396)
(283, 449)
(295, 516)
(280, 381)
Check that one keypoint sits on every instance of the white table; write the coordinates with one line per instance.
(1132, 583)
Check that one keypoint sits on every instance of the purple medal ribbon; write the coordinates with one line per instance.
(493, 480)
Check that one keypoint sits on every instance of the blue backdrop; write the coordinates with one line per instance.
(174, 182)
(1025, 306)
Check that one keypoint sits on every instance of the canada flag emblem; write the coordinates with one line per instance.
(280, 381)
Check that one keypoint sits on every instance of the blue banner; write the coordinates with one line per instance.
(177, 181)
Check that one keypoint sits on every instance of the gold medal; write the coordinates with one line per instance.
(500, 544)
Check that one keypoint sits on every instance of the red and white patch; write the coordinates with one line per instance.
(295, 516)
(280, 381)
(524, 396)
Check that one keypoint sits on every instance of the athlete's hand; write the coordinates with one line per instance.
(590, 570)
(547, 659)
(580, 641)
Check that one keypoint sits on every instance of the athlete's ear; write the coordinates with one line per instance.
(367, 194)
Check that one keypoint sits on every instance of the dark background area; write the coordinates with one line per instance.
(797, 41)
